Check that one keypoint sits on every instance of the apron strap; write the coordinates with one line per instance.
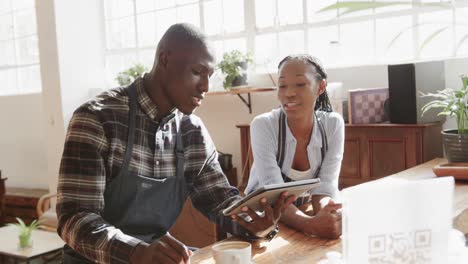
(180, 159)
(281, 139)
(324, 148)
(132, 98)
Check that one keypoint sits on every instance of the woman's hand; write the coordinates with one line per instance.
(326, 223)
(260, 226)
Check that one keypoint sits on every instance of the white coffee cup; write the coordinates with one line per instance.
(232, 252)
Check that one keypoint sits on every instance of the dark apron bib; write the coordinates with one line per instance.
(141, 206)
(282, 146)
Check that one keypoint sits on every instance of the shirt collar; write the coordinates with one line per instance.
(146, 104)
(315, 139)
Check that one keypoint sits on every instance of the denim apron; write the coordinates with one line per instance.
(282, 146)
(141, 206)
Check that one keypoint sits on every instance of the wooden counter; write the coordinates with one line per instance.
(291, 246)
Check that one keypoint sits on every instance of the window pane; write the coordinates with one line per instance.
(182, 2)
(189, 14)
(222, 46)
(29, 79)
(118, 8)
(7, 53)
(404, 6)
(145, 5)
(290, 12)
(27, 50)
(291, 42)
(146, 57)
(394, 39)
(343, 12)
(313, 8)
(165, 18)
(160, 4)
(8, 81)
(6, 27)
(441, 45)
(213, 18)
(461, 31)
(323, 44)
(22, 4)
(121, 33)
(357, 50)
(25, 22)
(233, 15)
(146, 29)
(117, 63)
(265, 13)
(218, 49)
(266, 53)
(235, 44)
(5, 6)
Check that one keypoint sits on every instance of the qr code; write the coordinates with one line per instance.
(400, 248)
(367, 105)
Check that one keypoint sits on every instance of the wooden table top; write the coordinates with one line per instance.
(43, 242)
(291, 246)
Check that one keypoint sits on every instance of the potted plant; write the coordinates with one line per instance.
(25, 232)
(126, 77)
(234, 66)
(453, 103)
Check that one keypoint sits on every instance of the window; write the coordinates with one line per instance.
(386, 32)
(19, 53)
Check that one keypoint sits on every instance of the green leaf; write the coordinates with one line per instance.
(463, 39)
(432, 36)
(22, 224)
(356, 6)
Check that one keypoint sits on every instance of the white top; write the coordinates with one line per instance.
(264, 141)
(296, 175)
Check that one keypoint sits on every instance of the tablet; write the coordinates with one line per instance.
(272, 193)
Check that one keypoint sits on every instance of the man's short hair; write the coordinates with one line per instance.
(181, 34)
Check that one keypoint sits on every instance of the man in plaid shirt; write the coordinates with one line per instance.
(132, 157)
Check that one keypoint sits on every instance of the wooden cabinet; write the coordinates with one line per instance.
(372, 151)
(21, 202)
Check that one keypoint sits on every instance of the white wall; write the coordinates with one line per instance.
(23, 157)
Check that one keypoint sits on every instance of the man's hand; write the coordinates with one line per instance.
(167, 249)
(260, 226)
(327, 222)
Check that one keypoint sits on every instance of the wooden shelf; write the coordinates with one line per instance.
(238, 90)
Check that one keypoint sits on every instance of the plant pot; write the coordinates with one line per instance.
(455, 146)
(24, 242)
(240, 80)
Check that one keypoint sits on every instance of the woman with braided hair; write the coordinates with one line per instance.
(302, 139)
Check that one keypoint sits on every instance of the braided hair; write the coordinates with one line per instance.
(323, 102)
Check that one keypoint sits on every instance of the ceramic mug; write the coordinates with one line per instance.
(232, 252)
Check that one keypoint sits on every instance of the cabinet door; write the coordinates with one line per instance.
(351, 165)
(373, 152)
